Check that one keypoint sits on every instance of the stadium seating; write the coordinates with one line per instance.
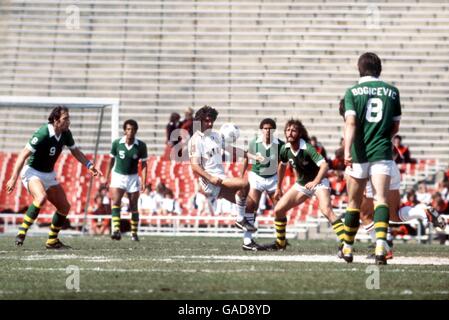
(250, 59)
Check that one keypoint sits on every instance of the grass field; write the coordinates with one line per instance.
(214, 268)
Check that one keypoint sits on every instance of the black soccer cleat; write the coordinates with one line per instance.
(58, 245)
(134, 237)
(245, 225)
(20, 238)
(435, 218)
(116, 235)
(380, 260)
(275, 246)
(253, 246)
(340, 250)
(347, 254)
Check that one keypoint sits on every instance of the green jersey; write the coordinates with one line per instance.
(376, 105)
(46, 147)
(271, 153)
(305, 161)
(127, 157)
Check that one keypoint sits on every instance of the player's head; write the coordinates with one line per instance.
(295, 130)
(207, 116)
(369, 65)
(130, 128)
(341, 108)
(267, 126)
(59, 118)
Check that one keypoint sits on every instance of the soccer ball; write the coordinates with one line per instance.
(230, 132)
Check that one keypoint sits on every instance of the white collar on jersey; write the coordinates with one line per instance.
(123, 140)
(367, 79)
(302, 146)
(51, 132)
(260, 139)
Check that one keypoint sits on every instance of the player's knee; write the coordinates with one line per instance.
(41, 199)
(64, 208)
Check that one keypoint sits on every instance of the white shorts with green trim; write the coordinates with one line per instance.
(128, 182)
(48, 179)
(324, 184)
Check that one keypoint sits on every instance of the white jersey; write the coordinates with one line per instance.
(208, 148)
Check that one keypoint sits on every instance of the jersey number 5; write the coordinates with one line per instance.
(374, 108)
(121, 154)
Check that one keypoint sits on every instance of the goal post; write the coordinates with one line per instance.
(20, 116)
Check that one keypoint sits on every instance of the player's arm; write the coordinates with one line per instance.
(395, 128)
(109, 169)
(281, 173)
(82, 158)
(350, 128)
(196, 168)
(23, 156)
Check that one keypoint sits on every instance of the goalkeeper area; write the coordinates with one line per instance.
(161, 267)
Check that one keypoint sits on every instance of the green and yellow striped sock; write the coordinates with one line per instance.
(381, 219)
(134, 222)
(339, 229)
(352, 223)
(29, 218)
(56, 226)
(116, 218)
(280, 225)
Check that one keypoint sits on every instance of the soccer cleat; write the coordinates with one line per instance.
(437, 220)
(340, 250)
(245, 225)
(347, 254)
(253, 246)
(58, 245)
(389, 255)
(380, 257)
(116, 235)
(20, 238)
(134, 237)
(274, 246)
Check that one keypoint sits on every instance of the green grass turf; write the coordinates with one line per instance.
(170, 268)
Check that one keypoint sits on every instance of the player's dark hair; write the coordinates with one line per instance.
(205, 112)
(369, 65)
(55, 114)
(341, 108)
(132, 123)
(267, 121)
(302, 130)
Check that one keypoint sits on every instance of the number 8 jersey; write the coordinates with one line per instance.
(376, 105)
(46, 147)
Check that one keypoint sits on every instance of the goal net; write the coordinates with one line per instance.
(94, 124)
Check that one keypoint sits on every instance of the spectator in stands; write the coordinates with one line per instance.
(338, 185)
(100, 225)
(147, 202)
(103, 192)
(410, 198)
(318, 147)
(173, 124)
(422, 195)
(202, 204)
(338, 163)
(401, 153)
(38, 175)
(170, 205)
(161, 189)
(187, 122)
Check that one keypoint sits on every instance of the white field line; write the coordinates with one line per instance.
(398, 260)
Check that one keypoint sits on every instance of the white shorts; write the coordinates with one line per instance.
(366, 169)
(262, 184)
(128, 182)
(209, 189)
(324, 184)
(48, 179)
(395, 181)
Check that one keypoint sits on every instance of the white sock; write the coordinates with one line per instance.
(369, 228)
(410, 213)
(241, 206)
(248, 236)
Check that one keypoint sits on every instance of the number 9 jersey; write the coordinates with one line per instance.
(376, 106)
(46, 147)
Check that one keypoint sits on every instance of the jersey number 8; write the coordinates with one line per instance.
(374, 108)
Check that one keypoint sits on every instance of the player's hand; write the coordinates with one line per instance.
(310, 185)
(260, 158)
(11, 184)
(277, 194)
(348, 159)
(216, 181)
(95, 172)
